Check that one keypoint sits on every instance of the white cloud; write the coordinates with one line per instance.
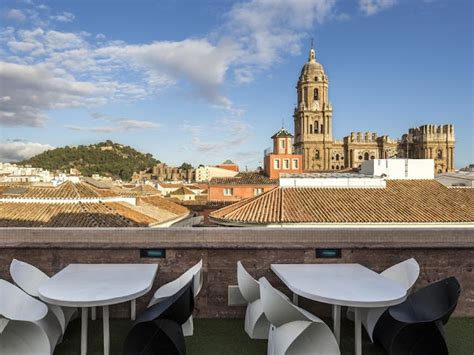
(32, 89)
(64, 17)
(16, 14)
(371, 7)
(196, 61)
(17, 150)
(117, 124)
(268, 30)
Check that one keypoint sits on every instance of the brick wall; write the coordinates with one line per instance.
(440, 253)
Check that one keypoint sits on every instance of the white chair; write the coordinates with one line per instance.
(257, 325)
(24, 324)
(174, 286)
(293, 330)
(29, 279)
(405, 273)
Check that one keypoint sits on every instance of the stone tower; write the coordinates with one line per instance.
(430, 142)
(313, 116)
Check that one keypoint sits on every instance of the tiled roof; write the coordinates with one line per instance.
(402, 201)
(243, 179)
(163, 203)
(90, 214)
(66, 190)
(171, 185)
(282, 133)
(15, 214)
(182, 191)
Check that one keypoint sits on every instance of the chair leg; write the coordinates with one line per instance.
(133, 309)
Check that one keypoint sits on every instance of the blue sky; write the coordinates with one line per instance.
(205, 81)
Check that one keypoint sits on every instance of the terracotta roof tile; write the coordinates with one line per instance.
(163, 203)
(402, 201)
(243, 179)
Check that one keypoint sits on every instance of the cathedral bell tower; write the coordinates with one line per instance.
(313, 116)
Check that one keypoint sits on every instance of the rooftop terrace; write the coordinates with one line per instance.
(218, 326)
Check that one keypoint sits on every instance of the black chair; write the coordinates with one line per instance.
(158, 330)
(415, 327)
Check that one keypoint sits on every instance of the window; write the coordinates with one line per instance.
(276, 164)
(286, 163)
(440, 154)
(316, 94)
(360, 157)
(228, 192)
(315, 78)
(366, 156)
(305, 91)
(372, 157)
(282, 143)
(310, 128)
(316, 155)
(337, 167)
(295, 164)
(322, 128)
(316, 125)
(337, 157)
(257, 191)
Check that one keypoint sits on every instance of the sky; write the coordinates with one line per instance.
(210, 80)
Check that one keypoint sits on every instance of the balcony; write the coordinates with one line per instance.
(441, 252)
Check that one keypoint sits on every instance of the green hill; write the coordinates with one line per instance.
(105, 158)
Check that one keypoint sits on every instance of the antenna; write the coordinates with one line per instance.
(312, 42)
(282, 123)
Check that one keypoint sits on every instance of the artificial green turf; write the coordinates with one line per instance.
(227, 337)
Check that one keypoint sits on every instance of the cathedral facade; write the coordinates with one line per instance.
(321, 152)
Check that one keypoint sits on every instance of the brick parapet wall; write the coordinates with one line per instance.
(440, 253)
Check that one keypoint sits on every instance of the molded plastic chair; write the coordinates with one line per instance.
(257, 325)
(174, 286)
(29, 279)
(158, 330)
(23, 324)
(416, 325)
(294, 330)
(405, 273)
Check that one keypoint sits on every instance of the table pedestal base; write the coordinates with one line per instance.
(336, 317)
(84, 331)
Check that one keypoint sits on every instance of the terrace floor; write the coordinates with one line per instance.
(227, 336)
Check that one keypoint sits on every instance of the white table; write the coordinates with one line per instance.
(351, 285)
(91, 285)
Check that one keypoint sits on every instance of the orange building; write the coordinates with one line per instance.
(241, 186)
(282, 160)
(229, 165)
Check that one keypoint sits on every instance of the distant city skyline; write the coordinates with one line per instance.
(202, 82)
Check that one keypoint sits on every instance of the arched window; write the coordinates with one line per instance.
(332, 167)
(337, 157)
(315, 78)
(316, 126)
(440, 154)
(316, 155)
(372, 157)
(440, 171)
(316, 94)
(366, 156)
(337, 167)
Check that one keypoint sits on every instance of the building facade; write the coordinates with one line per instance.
(314, 139)
(282, 160)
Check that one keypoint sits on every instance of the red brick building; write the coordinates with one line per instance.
(229, 165)
(282, 160)
(241, 186)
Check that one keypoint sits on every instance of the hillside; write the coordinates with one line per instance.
(105, 158)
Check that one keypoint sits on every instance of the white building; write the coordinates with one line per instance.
(399, 168)
(206, 173)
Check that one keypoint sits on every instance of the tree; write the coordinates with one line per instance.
(186, 166)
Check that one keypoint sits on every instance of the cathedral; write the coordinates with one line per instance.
(321, 152)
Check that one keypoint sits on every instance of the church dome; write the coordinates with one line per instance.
(312, 67)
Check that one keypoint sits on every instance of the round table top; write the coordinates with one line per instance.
(350, 285)
(88, 285)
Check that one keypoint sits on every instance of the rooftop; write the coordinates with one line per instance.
(243, 179)
(401, 201)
